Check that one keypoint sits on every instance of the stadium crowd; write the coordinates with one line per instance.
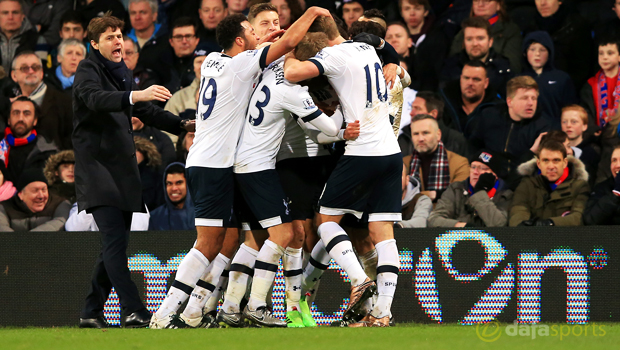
(511, 118)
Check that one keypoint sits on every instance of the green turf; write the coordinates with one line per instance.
(409, 336)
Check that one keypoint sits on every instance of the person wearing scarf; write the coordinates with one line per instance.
(554, 190)
(605, 85)
(478, 201)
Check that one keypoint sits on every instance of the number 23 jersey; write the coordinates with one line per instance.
(226, 84)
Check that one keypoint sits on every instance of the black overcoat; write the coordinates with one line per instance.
(106, 171)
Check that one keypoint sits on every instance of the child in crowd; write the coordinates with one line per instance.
(574, 124)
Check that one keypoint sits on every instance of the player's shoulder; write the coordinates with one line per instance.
(214, 63)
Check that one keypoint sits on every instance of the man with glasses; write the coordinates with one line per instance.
(171, 64)
(56, 119)
(478, 201)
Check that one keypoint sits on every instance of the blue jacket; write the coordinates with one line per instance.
(556, 87)
(168, 217)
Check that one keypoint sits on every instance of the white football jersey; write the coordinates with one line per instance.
(355, 72)
(225, 88)
(271, 105)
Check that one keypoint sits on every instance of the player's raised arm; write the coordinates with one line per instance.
(295, 33)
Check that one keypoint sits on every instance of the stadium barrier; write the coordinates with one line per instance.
(466, 276)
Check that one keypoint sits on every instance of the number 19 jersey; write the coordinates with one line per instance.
(225, 88)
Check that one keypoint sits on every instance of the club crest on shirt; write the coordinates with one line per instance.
(309, 103)
(322, 54)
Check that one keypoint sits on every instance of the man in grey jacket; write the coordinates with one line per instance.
(479, 201)
(33, 208)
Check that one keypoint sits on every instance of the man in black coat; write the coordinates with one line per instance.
(106, 172)
(603, 207)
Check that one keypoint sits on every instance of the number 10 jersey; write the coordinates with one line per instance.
(226, 84)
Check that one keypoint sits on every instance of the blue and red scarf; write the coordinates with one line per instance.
(558, 182)
(491, 193)
(493, 19)
(606, 100)
(12, 141)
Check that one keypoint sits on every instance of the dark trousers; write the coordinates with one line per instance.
(111, 267)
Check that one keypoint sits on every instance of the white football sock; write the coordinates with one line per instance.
(292, 262)
(241, 268)
(205, 287)
(387, 277)
(214, 300)
(190, 270)
(264, 273)
(369, 263)
(339, 247)
(317, 264)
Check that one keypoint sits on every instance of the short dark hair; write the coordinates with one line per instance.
(175, 169)
(374, 13)
(424, 116)
(475, 64)
(229, 29)
(72, 17)
(477, 22)
(99, 25)
(608, 40)
(425, 3)
(37, 111)
(552, 145)
(432, 102)
(366, 27)
(555, 135)
(184, 21)
(255, 10)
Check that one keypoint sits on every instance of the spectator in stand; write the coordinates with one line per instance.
(56, 118)
(149, 165)
(45, 16)
(131, 55)
(70, 53)
(7, 189)
(72, 26)
(505, 33)
(237, 6)
(211, 12)
(430, 161)
(554, 197)
(33, 209)
(352, 10)
(603, 207)
(172, 64)
(510, 129)
(466, 98)
(16, 33)
(374, 15)
(185, 101)
(477, 45)
(574, 124)
(416, 206)
(481, 200)
(430, 44)
(288, 10)
(572, 38)
(427, 102)
(397, 35)
(177, 213)
(556, 87)
(22, 148)
(601, 98)
(145, 29)
(185, 141)
(162, 142)
(59, 174)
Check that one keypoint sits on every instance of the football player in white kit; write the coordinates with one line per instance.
(227, 80)
(367, 178)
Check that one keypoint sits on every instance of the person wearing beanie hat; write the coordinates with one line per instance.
(478, 201)
(33, 209)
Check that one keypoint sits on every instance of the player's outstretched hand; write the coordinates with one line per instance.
(153, 92)
(271, 37)
(352, 131)
(389, 72)
(189, 125)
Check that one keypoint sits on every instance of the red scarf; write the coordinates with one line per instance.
(10, 141)
(493, 19)
(559, 181)
(605, 100)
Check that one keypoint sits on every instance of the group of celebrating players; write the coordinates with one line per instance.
(259, 165)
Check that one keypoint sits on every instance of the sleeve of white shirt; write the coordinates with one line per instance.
(79, 221)
(330, 62)
(248, 63)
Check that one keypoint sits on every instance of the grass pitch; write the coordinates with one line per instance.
(404, 336)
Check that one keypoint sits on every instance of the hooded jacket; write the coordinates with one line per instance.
(168, 217)
(556, 87)
(564, 205)
(456, 205)
(55, 184)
